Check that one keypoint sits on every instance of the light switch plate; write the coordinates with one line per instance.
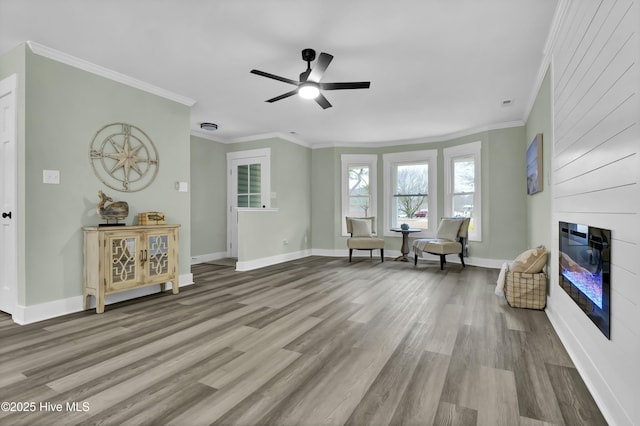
(182, 186)
(51, 176)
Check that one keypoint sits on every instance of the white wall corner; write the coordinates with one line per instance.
(547, 53)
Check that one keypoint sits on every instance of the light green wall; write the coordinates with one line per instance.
(65, 106)
(261, 234)
(14, 62)
(208, 197)
(325, 175)
(539, 205)
(503, 192)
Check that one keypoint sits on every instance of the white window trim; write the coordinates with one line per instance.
(388, 160)
(470, 149)
(370, 160)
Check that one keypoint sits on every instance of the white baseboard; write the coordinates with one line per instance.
(475, 261)
(248, 265)
(606, 400)
(203, 258)
(56, 308)
(43, 311)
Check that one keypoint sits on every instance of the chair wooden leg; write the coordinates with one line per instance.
(350, 254)
(462, 260)
(370, 254)
(415, 259)
(382, 255)
(442, 261)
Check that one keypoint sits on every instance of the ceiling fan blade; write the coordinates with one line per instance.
(323, 102)
(275, 77)
(343, 86)
(286, 95)
(321, 66)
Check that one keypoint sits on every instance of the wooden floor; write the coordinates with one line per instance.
(315, 341)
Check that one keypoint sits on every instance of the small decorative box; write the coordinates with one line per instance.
(152, 218)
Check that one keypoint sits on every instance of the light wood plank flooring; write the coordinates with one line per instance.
(315, 341)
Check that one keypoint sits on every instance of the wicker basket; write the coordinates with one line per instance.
(526, 290)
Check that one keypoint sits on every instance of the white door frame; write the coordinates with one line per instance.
(8, 195)
(235, 159)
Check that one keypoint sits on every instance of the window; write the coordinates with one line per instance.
(462, 191)
(358, 186)
(410, 190)
(249, 188)
(249, 178)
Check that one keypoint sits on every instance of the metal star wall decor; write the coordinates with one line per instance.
(123, 157)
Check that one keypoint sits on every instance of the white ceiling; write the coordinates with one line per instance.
(437, 67)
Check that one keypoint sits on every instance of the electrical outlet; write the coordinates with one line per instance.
(285, 242)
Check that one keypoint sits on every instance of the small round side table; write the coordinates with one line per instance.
(405, 242)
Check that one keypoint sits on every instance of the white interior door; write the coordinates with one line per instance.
(8, 214)
(248, 187)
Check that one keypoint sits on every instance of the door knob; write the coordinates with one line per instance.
(6, 215)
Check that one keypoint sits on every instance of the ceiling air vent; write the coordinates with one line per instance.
(209, 126)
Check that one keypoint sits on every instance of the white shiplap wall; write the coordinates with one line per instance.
(595, 176)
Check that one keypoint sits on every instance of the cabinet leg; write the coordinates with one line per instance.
(174, 285)
(99, 305)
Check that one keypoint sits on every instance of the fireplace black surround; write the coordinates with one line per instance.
(585, 270)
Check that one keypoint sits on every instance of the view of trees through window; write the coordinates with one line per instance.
(410, 197)
(359, 192)
(463, 186)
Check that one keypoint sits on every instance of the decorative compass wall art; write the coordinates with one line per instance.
(123, 157)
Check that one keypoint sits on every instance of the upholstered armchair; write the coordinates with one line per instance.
(451, 238)
(362, 230)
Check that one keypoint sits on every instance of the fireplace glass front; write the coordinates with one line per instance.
(585, 271)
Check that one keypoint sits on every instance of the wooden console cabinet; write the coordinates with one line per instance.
(122, 258)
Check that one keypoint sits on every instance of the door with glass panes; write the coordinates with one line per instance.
(246, 192)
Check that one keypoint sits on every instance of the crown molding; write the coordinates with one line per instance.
(274, 135)
(252, 138)
(558, 18)
(432, 139)
(383, 144)
(75, 62)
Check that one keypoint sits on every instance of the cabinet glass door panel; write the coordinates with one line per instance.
(123, 259)
(158, 255)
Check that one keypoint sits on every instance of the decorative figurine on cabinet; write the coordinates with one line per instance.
(114, 211)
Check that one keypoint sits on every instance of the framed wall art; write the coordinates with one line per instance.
(534, 165)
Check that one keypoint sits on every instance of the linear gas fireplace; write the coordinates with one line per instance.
(585, 272)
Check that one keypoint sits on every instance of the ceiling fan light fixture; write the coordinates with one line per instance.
(308, 91)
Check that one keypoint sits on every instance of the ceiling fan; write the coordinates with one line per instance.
(309, 85)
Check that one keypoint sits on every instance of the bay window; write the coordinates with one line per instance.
(359, 191)
(462, 189)
(410, 191)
